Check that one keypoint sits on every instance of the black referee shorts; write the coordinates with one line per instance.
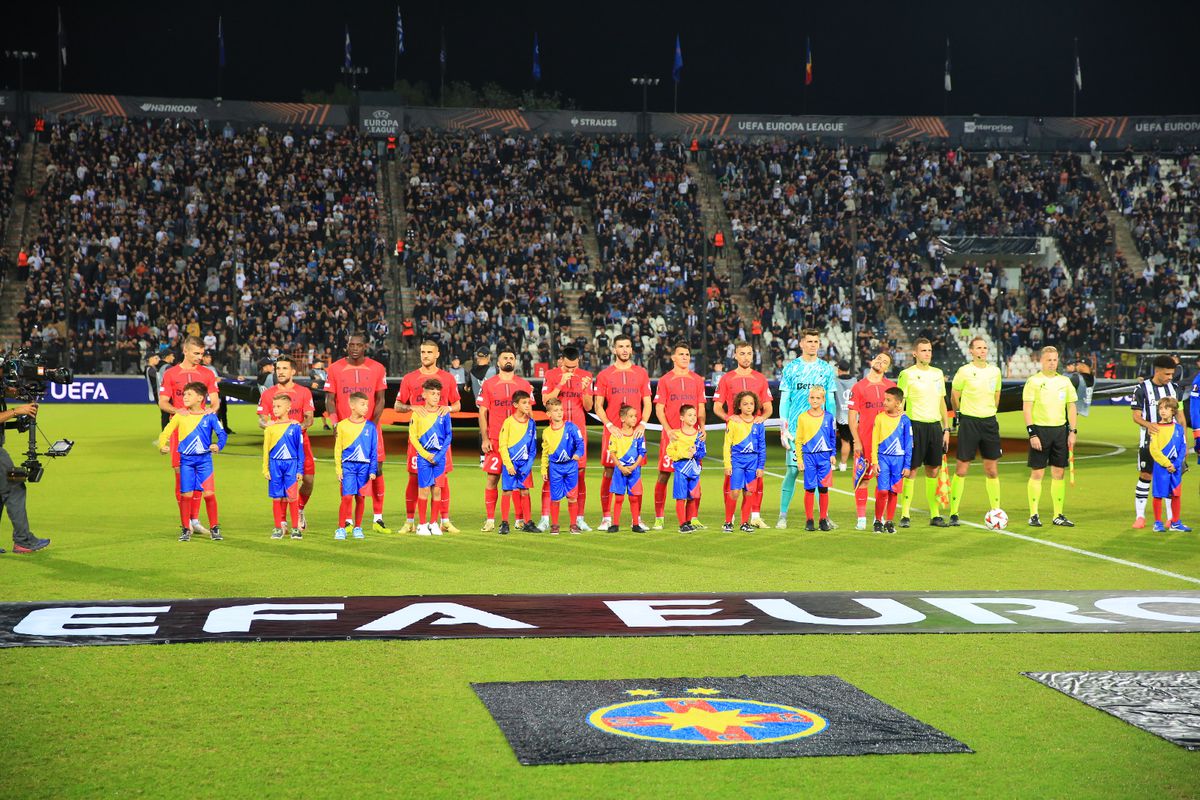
(844, 434)
(927, 444)
(1054, 447)
(978, 435)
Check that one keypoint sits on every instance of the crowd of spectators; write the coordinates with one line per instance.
(493, 239)
(260, 241)
(10, 144)
(1158, 196)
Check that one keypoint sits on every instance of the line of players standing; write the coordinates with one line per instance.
(624, 385)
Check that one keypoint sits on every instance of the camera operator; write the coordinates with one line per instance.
(12, 487)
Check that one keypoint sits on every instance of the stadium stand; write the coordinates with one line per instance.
(261, 241)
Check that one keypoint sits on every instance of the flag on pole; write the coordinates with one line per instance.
(947, 64)
(348, 63)
(943, 485)
(62, 39)
(399, 32)
(220, 43)
(808, 76)
(677, 68)
(1078, 69)
(537, 59)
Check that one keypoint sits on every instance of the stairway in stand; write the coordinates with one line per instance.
(22, 222)
(715, 218)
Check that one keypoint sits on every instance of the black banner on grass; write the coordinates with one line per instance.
(524, 615)
(666, 719)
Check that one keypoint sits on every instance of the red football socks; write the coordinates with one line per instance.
(345, 510)
(617, 501)
(681, 510)
(635, 508)
(410, 495)
(489, 502)
(824, 504)
(808, 504)
(660, 499)
(210, 507)
(377, 490)
(360, 505)
(605, 495)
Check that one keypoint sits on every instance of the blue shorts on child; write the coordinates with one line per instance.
(285, 478)
(427, 473)
(564, 479)
(356, 476)
(195, 473)
(1163, 483)
(514, 483)
(890, 473)
(626, 484)
(686, 484)
(817, 469)
(743, 471)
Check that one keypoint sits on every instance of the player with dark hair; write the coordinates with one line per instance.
(357, 373)
(495, 401)
(411, 396)
(620, 383)
(744, 378)
(573, 386)
(678, 387)
(1144, 408)
(301, 410)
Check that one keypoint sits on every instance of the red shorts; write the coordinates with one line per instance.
(606, 459)
(310, 464)
(412, 460)
(492, 463)
(664, 462)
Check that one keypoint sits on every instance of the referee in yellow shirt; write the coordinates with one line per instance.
(975, 395)
(1049, 403)
(924, 388)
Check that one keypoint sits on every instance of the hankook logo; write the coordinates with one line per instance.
(168, 108)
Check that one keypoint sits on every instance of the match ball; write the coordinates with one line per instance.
(996, 519)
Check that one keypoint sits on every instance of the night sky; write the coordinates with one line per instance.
(887, 57)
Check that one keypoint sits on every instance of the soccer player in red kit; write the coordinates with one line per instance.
(357, 373)
(620, 383)
(170, 400)
(573, 386)
(496, 405)
(411, 396)
(302, 410)
(744, 379)
(678, 387)
(866, 401)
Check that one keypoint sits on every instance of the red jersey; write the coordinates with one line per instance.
(867, 399)
(732, 384)
(412, 385)
(572, 393)
(496, 396)
(302, 401)
(179, 376)
(621, 387)
(344, 379)
(676, 390)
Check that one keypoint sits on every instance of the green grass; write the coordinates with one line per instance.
(398, 718)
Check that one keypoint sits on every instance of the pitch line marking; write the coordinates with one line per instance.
(1047, 542)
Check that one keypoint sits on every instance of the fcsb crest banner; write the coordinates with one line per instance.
(663, 719)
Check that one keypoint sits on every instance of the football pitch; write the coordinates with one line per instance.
(399, 718)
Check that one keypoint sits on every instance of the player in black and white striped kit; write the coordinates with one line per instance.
(1145, 401)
